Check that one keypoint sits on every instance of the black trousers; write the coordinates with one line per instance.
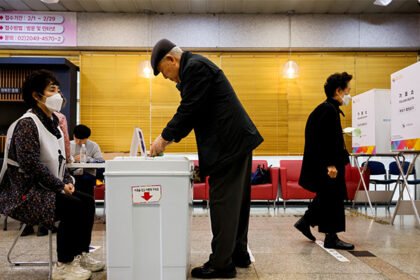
(85, 183)
(230, 202)
(76, 214)
(327, 209)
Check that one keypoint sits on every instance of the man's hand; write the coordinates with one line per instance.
(332, 171)
(69, 189)
(158, 146)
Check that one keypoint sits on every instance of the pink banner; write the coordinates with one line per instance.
(38, 29)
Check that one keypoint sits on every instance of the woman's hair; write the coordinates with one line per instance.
(37, 81)
(335, 81)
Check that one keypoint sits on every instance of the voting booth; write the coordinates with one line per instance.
(148, 209)
(371, 113)
(405, 108)
(405, 130)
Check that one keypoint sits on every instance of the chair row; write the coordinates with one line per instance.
(291, 190)
(288, 174)
(267, 191)
(392, 175)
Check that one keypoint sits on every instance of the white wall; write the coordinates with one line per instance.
(260, 32)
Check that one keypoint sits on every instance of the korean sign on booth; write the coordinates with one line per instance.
(38, 29)
(405, 108)
(371, 113)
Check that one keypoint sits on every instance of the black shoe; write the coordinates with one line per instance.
(241, 260)
(28, 231)
(333, 242)
(42, 231)
(303, 226)
(208, 272)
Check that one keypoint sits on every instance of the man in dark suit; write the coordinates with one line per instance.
(225, 137)
(324, 159)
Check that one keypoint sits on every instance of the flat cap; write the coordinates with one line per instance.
(159, 51)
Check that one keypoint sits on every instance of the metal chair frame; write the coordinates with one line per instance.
(27, 263)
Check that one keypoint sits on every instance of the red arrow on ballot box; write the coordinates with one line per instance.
(147, 196)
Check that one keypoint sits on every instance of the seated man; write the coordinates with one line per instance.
(85, 178)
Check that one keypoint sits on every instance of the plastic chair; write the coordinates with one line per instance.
(393, 170)
(378, 168)
(49, 263)
(289, 182)
(200, 189)
(267, 191)
(353, 182)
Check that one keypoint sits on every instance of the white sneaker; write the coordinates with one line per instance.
(70, 271)
(89, 263)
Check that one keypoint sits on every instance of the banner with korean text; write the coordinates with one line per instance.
(21, 28)
(405, 108)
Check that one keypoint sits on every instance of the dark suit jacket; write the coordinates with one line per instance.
(223, 130)
(324, 146)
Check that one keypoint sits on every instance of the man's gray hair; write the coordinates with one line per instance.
(176, 52)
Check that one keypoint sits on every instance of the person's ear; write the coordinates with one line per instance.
(337, 92)
(171, 58)
(36, 96)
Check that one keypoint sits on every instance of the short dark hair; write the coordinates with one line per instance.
(37, 81)
(335, 81)
(81, 131)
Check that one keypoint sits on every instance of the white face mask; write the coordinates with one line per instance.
(346, 99)
(54, 102)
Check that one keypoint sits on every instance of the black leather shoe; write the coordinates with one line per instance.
(333, 242)
(42, 231)
(303, 226)
(28, 230)
(208, 272)
(241, 260)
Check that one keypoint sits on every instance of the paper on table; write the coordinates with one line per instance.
(354, 131)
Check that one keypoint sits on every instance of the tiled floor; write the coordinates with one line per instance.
(280, 251)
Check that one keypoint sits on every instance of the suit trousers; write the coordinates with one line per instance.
(327, 208)
(230, 202)
(76, 214)
(85, 183)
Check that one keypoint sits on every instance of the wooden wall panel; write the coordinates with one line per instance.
(256, 81)
(115, 99)
(307, 91)
(278, 106)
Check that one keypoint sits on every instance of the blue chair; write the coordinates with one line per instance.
(378, 168)
(393, 170)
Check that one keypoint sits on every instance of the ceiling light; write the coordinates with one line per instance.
(145, 69)
(50, 1)
(382, 2)
(290, 68)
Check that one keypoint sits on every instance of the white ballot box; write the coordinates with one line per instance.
(148, 216)
(371, 113)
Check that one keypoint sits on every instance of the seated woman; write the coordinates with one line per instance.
(35, 187)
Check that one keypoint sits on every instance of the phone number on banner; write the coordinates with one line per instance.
(30, 38)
